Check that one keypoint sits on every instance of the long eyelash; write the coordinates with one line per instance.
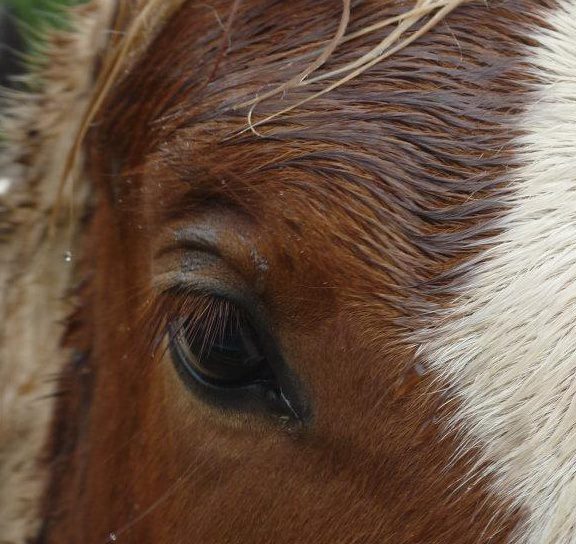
(195, 315)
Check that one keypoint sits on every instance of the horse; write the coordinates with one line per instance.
(318, 275)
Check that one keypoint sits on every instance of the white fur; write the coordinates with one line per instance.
(507, 346)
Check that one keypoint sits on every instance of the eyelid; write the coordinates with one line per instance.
(189, 285)
(191, 239)
(200, 270)
(224, 241)
(171, 272)
(197, 269)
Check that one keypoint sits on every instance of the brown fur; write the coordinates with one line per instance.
(363, 204)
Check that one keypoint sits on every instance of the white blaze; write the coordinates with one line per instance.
(508, 346)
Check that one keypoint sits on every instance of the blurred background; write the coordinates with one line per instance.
(21, 25)
(35, 13)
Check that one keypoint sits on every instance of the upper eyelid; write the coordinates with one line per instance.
(176, 283)
(191, 239)
(178, 276)
(172, 282)
(213, 250)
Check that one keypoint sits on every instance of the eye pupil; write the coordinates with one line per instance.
(235, 343)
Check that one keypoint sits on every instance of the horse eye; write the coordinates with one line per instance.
(222, 361)
(229, 357)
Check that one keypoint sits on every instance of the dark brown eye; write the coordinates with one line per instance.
(228, 356)
(229, 362)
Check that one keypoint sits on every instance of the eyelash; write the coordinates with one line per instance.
(210, 309)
